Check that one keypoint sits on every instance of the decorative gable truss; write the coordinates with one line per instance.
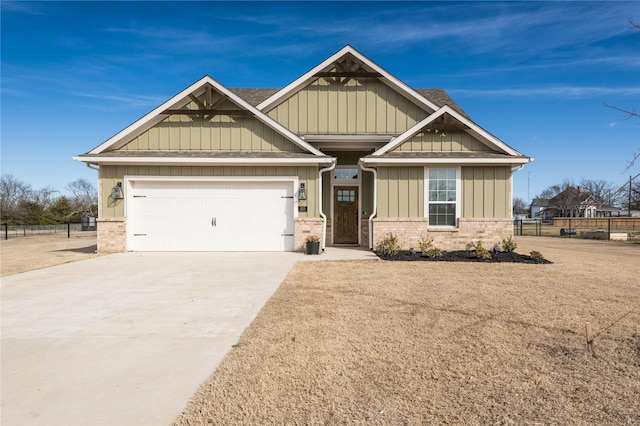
(346, 64)
(205, 124)
(446, 137)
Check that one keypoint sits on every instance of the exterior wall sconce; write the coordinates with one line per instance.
(302, 193)
(116, 192)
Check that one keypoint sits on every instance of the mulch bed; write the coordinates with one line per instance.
(464, 256)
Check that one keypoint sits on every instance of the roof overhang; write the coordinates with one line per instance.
(348, 142)
(203, 161)
(464, 161)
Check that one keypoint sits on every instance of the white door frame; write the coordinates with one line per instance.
(347, 182)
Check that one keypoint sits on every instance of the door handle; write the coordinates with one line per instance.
(213, 221)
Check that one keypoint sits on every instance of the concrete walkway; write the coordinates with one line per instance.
(126, 339)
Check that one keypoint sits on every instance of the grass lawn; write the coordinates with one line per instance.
(374, 342)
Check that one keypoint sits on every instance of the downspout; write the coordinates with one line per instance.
(97, 169)
(513, 170)
(334, 161)
(375, 200)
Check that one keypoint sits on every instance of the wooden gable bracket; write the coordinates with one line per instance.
(348, 69)
(445, 122)
(207, 109)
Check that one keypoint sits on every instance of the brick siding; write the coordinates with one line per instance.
(410, 230)
(112, 235)
(305, 227)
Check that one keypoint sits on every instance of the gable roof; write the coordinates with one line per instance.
(327, 64)
(473, 129)
(183, 98)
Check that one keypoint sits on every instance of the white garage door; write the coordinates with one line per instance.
(210, 215)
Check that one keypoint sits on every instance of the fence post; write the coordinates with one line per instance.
(609, 229)
(6, 231)
(68, 230)
(570, 227)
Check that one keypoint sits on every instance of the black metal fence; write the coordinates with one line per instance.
(15, 231)
(588, 228)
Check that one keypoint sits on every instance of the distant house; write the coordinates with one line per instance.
(538, 207)
(346, 151)
(572, 202)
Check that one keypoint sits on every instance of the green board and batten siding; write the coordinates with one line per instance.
(220, 133)
(443, 141)
(359, 106)
(109, 175)
(400, 192)
(486, 192)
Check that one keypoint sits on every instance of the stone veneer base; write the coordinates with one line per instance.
(305, 227)
(112, 235)
(409, 231)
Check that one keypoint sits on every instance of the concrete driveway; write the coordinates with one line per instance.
(125, 339)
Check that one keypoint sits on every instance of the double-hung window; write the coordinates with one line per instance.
(442, 196)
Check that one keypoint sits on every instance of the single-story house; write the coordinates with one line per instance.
(347, 152)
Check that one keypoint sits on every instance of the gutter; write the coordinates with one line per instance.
(334, 162)
(375, 200)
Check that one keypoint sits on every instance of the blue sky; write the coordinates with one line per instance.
(534, 74)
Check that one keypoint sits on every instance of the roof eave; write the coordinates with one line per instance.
(390, 161)
(180, 161)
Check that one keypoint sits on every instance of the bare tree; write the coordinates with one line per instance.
(13, 192)
(602, 191)
(84, 197)
(520, 206)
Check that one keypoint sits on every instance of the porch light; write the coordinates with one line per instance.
(302, 193)
(116, 192)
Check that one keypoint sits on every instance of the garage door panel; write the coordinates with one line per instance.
(211, 216)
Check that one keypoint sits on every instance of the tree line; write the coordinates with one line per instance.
(21, 204)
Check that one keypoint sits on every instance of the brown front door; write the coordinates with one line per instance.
(345, 215)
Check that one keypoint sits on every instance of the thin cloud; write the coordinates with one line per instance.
(131, 100)
(573, 92)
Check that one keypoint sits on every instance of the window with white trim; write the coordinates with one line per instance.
(442, 196)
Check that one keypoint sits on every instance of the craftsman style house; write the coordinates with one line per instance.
(346, 151)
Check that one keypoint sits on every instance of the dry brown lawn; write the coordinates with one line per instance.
(374, 342)
(21, 254)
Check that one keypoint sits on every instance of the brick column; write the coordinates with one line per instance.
(112, 234)
(305, 227)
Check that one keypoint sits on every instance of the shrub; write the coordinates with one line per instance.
(424, 245)
(388, 246)
(480, 251)
(509, 245)
(427, 248)
(536, 256)
(434, 252)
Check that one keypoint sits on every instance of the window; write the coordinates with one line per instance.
(345, 173)
(346, 195)
(442, 196)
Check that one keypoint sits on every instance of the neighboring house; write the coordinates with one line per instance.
(572, 202)
(538, 207)
(347, 151)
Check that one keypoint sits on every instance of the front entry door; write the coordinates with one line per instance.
(345, 215)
